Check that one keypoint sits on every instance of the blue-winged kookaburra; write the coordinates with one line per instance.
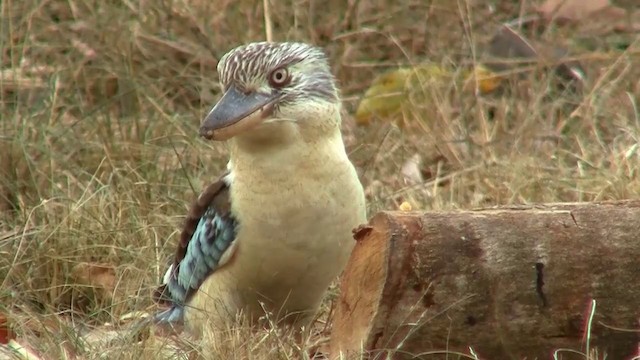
(276, 229)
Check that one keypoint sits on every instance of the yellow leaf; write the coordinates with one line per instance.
(484, 79)
(405, 206)
(390, 93)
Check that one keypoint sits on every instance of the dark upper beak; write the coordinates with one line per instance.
(236, 112)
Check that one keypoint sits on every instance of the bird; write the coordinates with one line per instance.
(272, 233)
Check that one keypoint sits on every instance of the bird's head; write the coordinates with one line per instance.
(269, 87)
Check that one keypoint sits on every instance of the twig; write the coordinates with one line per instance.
(268, 25)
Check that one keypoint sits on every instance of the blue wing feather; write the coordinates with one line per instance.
(209, 233)
(213, 236)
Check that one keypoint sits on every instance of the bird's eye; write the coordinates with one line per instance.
(279, 77)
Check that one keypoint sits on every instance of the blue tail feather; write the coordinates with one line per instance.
(175, 314)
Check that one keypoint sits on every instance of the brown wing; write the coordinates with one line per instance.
(208, 232)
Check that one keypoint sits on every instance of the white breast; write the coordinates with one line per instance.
(296, 212)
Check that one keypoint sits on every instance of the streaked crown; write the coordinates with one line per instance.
(297, 70)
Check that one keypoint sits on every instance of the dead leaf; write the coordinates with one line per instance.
(482, 80)
(101, 277)
(591, 16)
(5, 332)
(393, 95)
(390, 93)
(571, 10)
(508, 44)
(508, 50)
(405, 206)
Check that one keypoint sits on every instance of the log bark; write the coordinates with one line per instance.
(509, 283)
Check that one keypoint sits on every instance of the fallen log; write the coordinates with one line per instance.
(502, 283)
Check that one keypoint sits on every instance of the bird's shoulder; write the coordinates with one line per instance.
(214, 201)
(205, 244)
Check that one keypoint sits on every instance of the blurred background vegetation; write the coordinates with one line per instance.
(100, 102)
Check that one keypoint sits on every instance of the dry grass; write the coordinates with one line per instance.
(100, 103)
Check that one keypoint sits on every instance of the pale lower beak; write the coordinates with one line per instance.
(236, 112)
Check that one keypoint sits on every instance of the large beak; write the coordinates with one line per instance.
(236, 112)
